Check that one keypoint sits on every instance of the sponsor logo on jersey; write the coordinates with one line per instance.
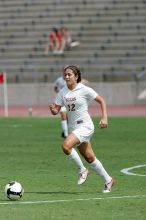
(70, 99)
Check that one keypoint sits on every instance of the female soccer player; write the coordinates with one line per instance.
(76, 97)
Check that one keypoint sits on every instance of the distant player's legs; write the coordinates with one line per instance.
(64, 124)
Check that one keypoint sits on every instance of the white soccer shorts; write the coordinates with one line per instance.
(84, 133)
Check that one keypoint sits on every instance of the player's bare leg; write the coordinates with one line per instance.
(87, 152)
(68, 148)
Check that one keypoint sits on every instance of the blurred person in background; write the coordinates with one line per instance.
(55, 42)
(58, 85)
(67, 39)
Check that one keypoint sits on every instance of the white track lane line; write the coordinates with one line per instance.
(71, 200)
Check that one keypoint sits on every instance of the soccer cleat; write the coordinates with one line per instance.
(108, 186)
(83, 176)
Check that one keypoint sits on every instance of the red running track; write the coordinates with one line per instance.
(43, 111)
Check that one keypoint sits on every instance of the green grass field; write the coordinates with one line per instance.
(30, 153)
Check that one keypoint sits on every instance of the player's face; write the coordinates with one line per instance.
(70, 77)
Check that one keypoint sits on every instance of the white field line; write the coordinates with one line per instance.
(71, 200)
(126, 170)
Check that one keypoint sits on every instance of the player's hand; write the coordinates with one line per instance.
(103, 123)
(53, 109)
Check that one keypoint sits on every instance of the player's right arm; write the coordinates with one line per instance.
(54, 108)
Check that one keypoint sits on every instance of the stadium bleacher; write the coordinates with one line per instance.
(112, 35)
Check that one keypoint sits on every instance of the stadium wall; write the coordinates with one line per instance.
(42, 93)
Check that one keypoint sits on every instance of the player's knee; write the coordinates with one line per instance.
(66, 148)
(89, 158)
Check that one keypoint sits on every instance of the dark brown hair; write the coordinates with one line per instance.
(75, 70)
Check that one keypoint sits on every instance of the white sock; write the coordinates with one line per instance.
(64, 126)
(76, 158)
(99, 169)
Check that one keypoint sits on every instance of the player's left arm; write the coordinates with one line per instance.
(104, 119)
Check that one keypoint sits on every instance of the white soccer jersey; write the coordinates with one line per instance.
(60, 83)
(76, 102)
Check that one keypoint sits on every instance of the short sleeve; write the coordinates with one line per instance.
(91, 94)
